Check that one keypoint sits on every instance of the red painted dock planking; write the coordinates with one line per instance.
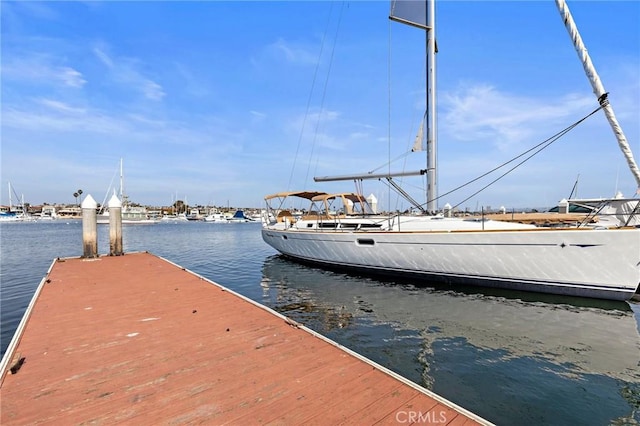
(137, 339)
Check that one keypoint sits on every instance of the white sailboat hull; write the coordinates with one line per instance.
(589, 261)
(599, 263)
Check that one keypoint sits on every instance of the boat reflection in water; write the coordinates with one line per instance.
(511, 357)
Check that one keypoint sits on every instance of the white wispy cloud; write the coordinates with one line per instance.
(152, 90)
(41, 69)
(103, 57)
(61, 107)
(481, 112)
(125, 71)
(72, 77)
(293, 53)
(58, 117)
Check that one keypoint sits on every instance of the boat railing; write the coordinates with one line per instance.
(625, 216)
(632, 215)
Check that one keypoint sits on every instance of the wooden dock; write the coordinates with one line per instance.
(136, 339)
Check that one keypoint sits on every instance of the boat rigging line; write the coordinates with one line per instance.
(533, 151)
(313, 83)
(324, 94)
(324, 90)
(536, 150)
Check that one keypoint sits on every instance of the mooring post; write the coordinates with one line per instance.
(115, 226)
(89, 228)
(563, 206)
(447, 210)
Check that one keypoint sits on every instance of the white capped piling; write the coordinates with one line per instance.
(447, 210)
(89, 228)
(563, 206)
(115, 226)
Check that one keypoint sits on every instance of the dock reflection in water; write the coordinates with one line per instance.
(511, 357)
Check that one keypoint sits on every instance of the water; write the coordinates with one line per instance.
(511, 357)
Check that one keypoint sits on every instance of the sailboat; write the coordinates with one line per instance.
(130, 214)
(342, 230)
(13, 214)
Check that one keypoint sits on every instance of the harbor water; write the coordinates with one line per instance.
(510, 357)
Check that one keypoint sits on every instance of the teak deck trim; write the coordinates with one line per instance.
(85, 374)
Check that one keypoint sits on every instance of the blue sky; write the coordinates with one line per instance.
(222, 103)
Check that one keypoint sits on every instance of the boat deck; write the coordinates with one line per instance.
(542, 219)
(136, 339)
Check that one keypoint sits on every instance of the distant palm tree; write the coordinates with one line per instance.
(180, 206)
(77, 194)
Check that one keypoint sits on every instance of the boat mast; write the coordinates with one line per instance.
(419, 14)
(422, 15)
(10, 202)
(432, 192)
(122, 200)
(598, 88)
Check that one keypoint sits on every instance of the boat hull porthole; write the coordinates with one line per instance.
(365, 241)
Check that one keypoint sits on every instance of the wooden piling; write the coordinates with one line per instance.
(89, 228)
(115, 226)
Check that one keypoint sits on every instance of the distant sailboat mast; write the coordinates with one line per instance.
(121, 183)
(10, 200)
(598, 88)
